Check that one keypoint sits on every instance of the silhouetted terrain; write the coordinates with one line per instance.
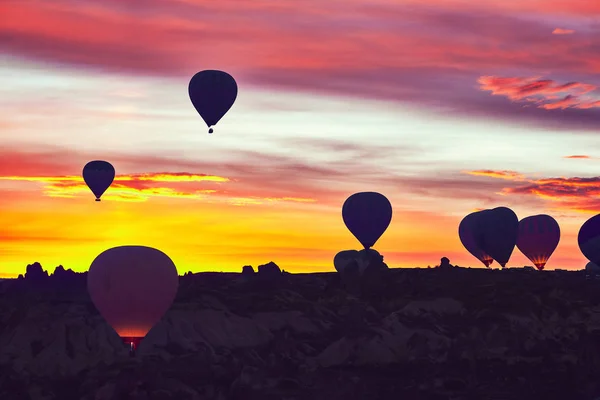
(395, 334)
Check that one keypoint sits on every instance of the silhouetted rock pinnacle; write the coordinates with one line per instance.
(247, 270)
(269, 270)
(34, 272)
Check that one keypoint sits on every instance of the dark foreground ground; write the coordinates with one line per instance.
(409, 334)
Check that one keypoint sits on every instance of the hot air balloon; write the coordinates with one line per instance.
(367, 215)
(367, 257)
(466, 233)
(132, 287)
(212, 93)
(344, 258)
(496, 233)
(592, 270)
(98, 175)
(538, 237)
(589, 239)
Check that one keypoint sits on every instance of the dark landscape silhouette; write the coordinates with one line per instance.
(436, 333)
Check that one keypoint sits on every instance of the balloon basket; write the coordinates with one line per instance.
(97, 199)
(132, 343)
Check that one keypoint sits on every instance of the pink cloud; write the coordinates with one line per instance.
(560, 31)
(578, 157)
(542, 92)
(563, 194)
(426, 55)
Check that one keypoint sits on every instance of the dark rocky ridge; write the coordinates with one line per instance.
(401, 334)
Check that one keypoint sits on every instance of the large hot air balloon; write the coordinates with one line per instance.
(98, 175)
(466, 233)
(496, 233)
(132, 287)
(344, 258)
(589, 239)
(538, 237)
(367, 215)
(212, 93)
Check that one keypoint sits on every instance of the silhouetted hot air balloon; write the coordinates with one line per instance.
(212, 93)
(98, 175)
(367, 215)
(344, 258)
(592, 270)
(589, 239)
(466, 233)
(132, 287)
(538, 237)
(496, 233)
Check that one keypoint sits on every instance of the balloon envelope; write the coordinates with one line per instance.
(344, 258)
(367, 215)
(589, 239)
(538, 237)
(592, 268)
(212, 93)
(132, 287)
(98, 176)
(466, 233)
(496, 233)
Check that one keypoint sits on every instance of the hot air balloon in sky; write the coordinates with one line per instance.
(212, 93)
(538, 237)
(367, 215)
(132, 287)
(466, 233)
(589, 239)
(496, 233)
(98, 176)
(344, 258)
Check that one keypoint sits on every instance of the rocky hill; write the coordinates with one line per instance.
(396, 334)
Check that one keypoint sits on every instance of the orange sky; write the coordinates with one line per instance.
(444, 106)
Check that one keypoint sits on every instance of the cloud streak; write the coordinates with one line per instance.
(354, 50)
(561, 31)
(543, 93)
(574, 194)
(140, 187)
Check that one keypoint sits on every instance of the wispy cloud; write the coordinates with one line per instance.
(508, 175)
(578, 157)
(561, 31)
(140, 187)
(543, 93)
(565, 194)
(312, 47)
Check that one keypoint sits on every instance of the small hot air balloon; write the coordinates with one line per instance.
(98, 175)
(344, 258)
(592, 270)
(538, 237)
(466, 234)
(212, 93)
(132, 287)
(496, 233)
(367, 215)
(589, 239)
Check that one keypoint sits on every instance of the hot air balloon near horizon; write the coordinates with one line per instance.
(132, 287)
(212, 93)
(537, 238)
(344, 258)
(496, 233)
(367, 215)
(98, 176)
(589, 239)
(466, 233)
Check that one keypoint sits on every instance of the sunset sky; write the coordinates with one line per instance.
(444, 106)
